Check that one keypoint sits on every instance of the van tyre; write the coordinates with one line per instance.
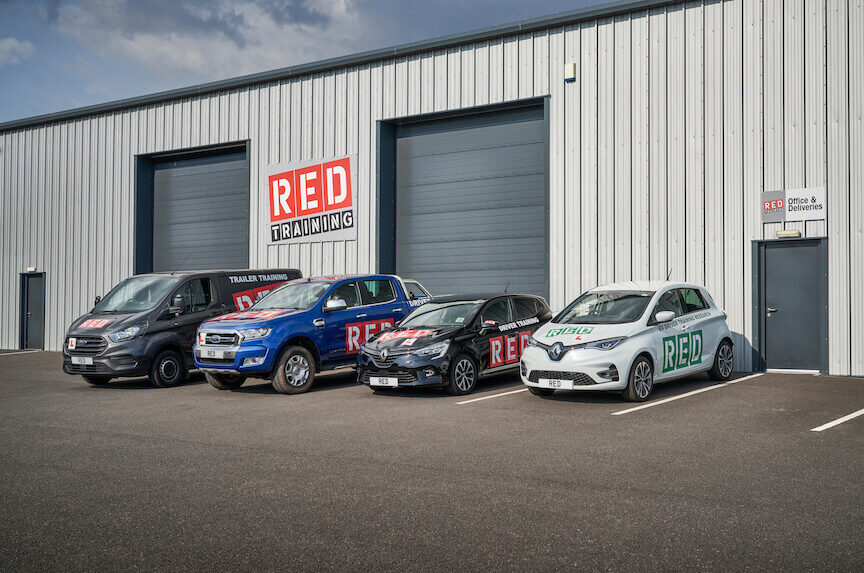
(723, 362)
(463, 376)
(295, 371)
(97, 380)
(225, 381)
(541, 391)
(640, 383)
(168, 369)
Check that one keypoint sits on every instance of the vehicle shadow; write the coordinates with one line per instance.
(661, 391)
(324, 381)
(497, 382)
(195, 379)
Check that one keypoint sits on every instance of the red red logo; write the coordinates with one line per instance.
(772, 205)
(246, 298)
(249, 315)
(356, 333)
(310, 190)
(406, 334)
(94, 323)
(507, 349)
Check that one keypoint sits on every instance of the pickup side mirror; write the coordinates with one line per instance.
(335, 304)
(177, 305)
(96, 300)
(664, 316)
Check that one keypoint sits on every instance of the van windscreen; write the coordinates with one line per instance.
(136, 294)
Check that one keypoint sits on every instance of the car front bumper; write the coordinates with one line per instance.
(578, 369)
(409, 370)
(240, 359)
(118, 359)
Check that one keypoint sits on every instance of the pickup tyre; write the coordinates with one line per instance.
(295, 371)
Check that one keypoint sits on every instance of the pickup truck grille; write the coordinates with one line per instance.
(86, 345)
(220, 338)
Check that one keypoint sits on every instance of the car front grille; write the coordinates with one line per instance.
(86, 345)
(578, 378)
(401, 376)
(382, 362)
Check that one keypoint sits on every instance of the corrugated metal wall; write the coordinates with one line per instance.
(678, 119)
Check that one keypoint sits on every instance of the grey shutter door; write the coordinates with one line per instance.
(471, 203)
(201, 214)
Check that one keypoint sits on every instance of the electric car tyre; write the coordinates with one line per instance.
(723, 362)
(640, 383)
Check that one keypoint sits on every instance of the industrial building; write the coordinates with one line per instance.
(629, 141)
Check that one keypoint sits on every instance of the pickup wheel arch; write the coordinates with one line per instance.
(306, 343)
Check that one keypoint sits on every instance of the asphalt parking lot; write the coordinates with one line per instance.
(133, 477)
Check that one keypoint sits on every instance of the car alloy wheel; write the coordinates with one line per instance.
(464, 375)
(297, 370)
(725, 361)
(643, 380)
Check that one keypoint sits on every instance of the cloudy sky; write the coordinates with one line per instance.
(60, 54)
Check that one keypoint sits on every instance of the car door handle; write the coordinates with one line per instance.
(363, 315)
(319, 322)
(771, 309)
(397, 310)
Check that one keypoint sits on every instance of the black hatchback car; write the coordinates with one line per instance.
(451, 341)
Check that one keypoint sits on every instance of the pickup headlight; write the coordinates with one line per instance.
(125, 334)
(436, 350)
(254, 333)
(605, 344)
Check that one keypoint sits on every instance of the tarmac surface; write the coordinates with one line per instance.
(132, 477)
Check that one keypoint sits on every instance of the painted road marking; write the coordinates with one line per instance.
(838, 421)
(22, 352)
(493, 396)
(685, 395)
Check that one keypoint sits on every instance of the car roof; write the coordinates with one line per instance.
(334, 278)
(476, 296)
(215, 272)
(652, 286)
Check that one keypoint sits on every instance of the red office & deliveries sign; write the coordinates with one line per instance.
(312, 201)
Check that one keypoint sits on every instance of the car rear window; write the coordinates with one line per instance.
(693, 300)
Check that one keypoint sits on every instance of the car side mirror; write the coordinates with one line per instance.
(176, 306)
(664, 316)
(488, 326)
(335, 304)
(96, 300)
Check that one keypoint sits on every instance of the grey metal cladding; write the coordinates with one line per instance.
(491, 165)
(201, 215)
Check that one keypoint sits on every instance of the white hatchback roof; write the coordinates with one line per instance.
(652, 286)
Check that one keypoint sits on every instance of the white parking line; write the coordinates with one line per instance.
(22, 352)
(685, 395)
(838, 421)
(492, 396)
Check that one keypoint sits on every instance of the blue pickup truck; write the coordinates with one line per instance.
(302, 327)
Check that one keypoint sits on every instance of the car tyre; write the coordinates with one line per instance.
(721, 370)
(295, 371)
(463, 376)
(168, 369)
(541, 391)
(97, 380)
(224, 381)
(640, 383)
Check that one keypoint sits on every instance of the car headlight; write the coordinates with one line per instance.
(436, 350)
(125, 334)
(605, 344)
(254, 333)
(532, 342)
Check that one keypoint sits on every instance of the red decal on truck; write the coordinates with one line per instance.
(94, 323)
(246, 298)
(356, 333)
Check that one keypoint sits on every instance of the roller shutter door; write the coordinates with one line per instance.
(201, 213)
(471, 203)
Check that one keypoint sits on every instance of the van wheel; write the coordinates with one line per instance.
(463, 376)
(225, 381)
(640, 384)
(723, 362)
(168, 369)
(541, 391)
(295, 371)
(97, 380)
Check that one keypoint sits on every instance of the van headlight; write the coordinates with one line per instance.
(436, 350)
(254, 333)
(605, 344)
(125, 334)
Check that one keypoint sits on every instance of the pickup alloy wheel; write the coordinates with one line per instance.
(295, 371)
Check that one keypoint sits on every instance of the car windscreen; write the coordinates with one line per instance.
(437, 314)
(295, 296)
(605, 307)
(136, 294)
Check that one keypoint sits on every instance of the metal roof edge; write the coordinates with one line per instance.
(526, 25)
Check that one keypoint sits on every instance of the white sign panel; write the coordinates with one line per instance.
(312, 201)
(794, 205)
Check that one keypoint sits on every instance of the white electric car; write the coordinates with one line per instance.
(627, 336)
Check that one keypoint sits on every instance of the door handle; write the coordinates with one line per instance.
(771, 310)
(397, 310)
(363, 315)
(319, 322)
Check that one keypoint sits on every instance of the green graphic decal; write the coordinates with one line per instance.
(569, 330)
(682, 350)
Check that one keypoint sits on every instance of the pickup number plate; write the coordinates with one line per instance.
(213, 354)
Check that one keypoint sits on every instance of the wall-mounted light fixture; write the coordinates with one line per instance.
(570, 72)
(788, 233)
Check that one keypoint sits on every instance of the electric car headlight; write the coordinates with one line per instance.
(436, 350)
(254, 333)
(605, 344)
(125, 334)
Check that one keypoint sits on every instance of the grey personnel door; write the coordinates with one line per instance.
(793, 304)
(33, 310)
(471, 202)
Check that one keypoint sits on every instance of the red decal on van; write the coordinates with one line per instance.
(94, 323)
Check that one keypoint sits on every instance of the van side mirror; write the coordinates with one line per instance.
(335, 304)
(96, 300)
(176, 306)
(664, 316)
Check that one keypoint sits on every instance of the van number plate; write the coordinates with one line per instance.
(213, 353)
(556, 384)
(86, 360)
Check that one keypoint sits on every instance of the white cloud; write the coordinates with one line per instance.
(13, 51)
(218, 39)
